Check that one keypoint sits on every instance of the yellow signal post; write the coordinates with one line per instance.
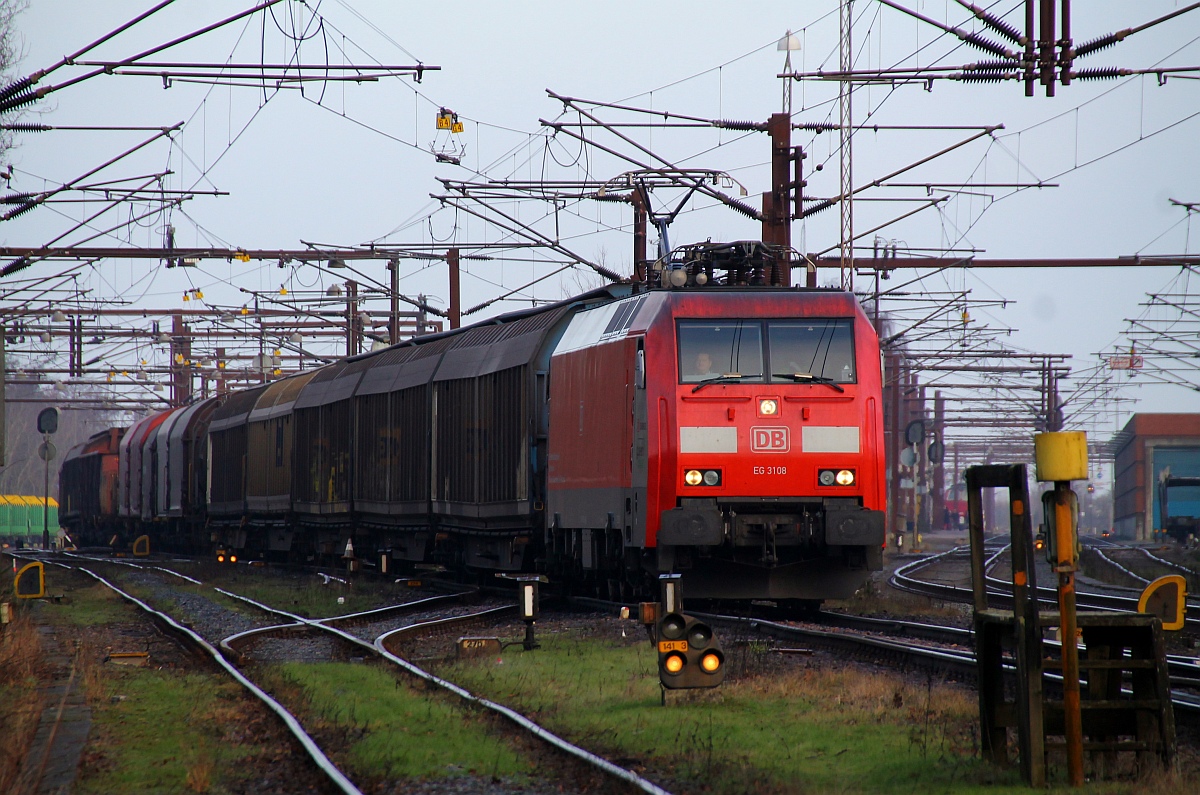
(1062, 457)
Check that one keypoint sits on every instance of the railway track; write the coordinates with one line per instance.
(1146, 558)
(862, 638)
(376, 633)
(999, 590)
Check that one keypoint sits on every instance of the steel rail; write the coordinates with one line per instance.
(541, 733)
(960, 662)
(314, 751)
(1156, 559)
(1184, 671)
(1099, 552)
(236, 644)
(379, 647)
(1166, 562)
(998, 590)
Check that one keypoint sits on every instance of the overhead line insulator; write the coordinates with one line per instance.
(986, 45)
(1103, 73)
(16, 198)
(986, 77)
(23, 98)
(818, 207)
(993, 66)
(28, 128)
(15, 88)
(734, 124)
(19, 264)
(743, 208)
(1096, 45)
(999, 25)
(24, 208)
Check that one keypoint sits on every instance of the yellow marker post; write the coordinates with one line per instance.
(27, 585)
(1166, 598)
(1062, 457)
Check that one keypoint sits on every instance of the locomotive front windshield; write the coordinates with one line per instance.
(818, 347)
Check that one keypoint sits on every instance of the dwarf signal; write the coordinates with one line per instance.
(689, 654)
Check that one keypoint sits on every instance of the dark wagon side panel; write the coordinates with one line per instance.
(271, 436)
(486, 416)
(154, 463)
(186, 480)
(392, 435)
(324, 433)
(227, 456)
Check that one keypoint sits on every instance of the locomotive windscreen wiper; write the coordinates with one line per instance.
(809, 378)
(727, 378)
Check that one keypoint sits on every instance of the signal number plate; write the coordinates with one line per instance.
(665, 646)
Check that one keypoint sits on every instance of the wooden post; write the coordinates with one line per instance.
(1064, 517)
(455, 297)
(394, 303)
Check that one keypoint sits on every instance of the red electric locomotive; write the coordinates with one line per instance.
(734, 435)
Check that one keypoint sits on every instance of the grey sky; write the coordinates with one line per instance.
(357, 168)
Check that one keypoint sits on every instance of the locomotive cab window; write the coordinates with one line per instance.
(796, 350)
(710, 350)
(821, 347)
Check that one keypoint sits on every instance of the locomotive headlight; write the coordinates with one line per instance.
(826, 477)
(845, 477)
(768, 407)
(705, 477)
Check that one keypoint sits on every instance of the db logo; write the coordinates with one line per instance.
(769, 440)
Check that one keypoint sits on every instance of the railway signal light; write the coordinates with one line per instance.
(689, 654)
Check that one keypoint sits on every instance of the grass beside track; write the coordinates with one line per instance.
(20, 700)
(774, 727)
(165, 731)
(388, 728)
(168, 727)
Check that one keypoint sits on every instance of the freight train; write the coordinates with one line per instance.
(728, 432)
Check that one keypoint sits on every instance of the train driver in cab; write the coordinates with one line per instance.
(702, 368)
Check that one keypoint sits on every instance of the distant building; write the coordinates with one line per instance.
(1147, 445)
